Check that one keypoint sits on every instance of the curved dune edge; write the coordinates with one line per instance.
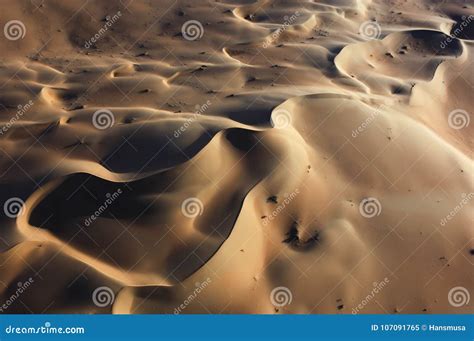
(36, 234)
(245, 238)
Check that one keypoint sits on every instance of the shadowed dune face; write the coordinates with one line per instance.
(236, 157)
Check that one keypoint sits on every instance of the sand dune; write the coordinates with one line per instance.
(237, 157)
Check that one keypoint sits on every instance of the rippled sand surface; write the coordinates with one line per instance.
(236, 156)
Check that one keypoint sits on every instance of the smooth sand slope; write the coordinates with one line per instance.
(277, 157)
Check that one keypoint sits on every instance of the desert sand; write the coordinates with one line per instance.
(236, 156)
